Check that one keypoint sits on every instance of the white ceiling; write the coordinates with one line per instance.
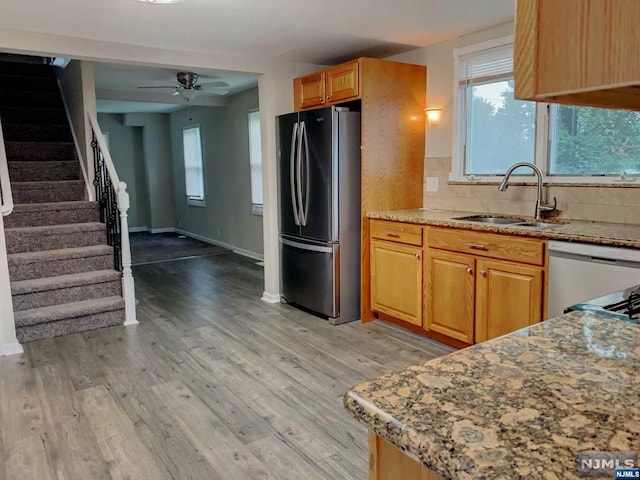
(121, 106)
(309, 31)
(112, 76)
(117, 88)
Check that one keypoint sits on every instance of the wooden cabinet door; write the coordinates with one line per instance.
(450, 294)
(396, 281)
(508, 298)
(342, 82)
(309, 91)
(581, 52)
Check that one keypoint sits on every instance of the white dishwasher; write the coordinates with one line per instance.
(579, 272)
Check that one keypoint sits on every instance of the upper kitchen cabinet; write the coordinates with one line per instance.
(334, 85)
(310, 90)
(578, 52)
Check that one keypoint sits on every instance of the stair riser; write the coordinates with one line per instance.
(70, 326)
(47, 194)
(30, 99)
(21, 242)
(36, 133)
(19, 270)
(38, 151)
(44, 171)
(58, 217)
(38, 116)
(17, 84)
(66, 295)
(26, 69)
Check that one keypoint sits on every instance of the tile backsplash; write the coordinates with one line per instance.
(597, 203)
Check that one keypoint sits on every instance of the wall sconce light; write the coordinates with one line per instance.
(433, 116)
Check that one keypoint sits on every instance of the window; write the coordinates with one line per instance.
(255, 162)
(495, 130)
(193, 171)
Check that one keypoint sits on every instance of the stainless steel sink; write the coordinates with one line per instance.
(541, 225)
(490, 219)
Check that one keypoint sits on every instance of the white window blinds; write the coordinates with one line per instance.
(255, 158)
(193, 173)
(486, 66)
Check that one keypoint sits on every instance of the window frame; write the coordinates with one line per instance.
(542, 145)
(194, 201)
(256, 208)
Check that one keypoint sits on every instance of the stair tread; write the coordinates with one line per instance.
(39, 183)
(59, 229)
(66, 253)
(63, 281)
(54, 206)
(65, 311)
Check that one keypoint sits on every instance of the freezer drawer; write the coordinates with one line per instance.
(310, 275)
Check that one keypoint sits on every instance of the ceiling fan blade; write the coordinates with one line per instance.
(197, 87)
(213, 83)
(165, 86)
(216, 90)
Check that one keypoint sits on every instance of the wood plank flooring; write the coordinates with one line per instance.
(212, 384)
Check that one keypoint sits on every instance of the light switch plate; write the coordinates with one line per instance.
(432, 184)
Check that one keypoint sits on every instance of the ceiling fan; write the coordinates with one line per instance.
(188, 87)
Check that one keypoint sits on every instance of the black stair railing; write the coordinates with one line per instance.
(107, 200)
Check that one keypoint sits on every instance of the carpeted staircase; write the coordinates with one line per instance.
(60, 266)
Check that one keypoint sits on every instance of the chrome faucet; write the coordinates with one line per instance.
(540, 206)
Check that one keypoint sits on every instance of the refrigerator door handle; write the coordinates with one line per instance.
(306, 246)
(294, 199)
(307, 190)
(299, 176)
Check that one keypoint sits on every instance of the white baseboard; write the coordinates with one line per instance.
(162, 230)
(239, 251)
(138, 229)
(270, 297)
(10, 349)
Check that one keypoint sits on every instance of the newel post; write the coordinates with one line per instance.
(128, 288)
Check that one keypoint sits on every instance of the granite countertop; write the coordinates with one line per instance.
(614, 234)
(519, 406)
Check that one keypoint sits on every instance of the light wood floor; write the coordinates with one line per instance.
(212, 384)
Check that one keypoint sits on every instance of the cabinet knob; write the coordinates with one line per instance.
(418, 256)
(322, 100)
(328, 97)
(469, 270)
(483, 273)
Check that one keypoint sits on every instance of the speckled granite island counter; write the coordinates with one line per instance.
(614, 234)
(519, 406)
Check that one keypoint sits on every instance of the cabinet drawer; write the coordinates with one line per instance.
(397, 232)
(523, 250)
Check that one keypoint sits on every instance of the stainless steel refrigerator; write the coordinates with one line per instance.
(319, 183)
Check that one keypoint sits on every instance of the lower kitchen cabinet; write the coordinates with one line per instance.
(457, 286)
(508, 298)
(450, 295)
(396, 280)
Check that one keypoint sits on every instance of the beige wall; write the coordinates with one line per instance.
(227, 216)
(78, 86)
(156, 145)
(127, 153)
(612, 204)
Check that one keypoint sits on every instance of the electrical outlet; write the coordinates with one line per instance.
(432, 184)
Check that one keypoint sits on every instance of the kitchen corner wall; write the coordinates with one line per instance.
(227, 217)
(597, 203)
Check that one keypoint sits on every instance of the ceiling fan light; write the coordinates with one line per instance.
(187, 94)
